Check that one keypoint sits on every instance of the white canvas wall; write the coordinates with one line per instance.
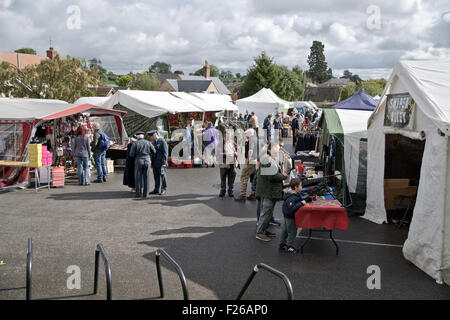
(424, 246)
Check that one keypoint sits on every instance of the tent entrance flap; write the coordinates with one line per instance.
(403, 162)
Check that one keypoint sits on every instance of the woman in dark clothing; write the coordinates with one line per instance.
(128, 174)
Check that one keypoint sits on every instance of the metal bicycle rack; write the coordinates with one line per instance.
(274, 271)
(100, 250)
(158, 254)
(29, 268)
(107, 264)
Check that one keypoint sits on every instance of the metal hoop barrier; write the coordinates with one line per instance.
(158, 254)
(274, 271)
(29, 268)
(101, 251)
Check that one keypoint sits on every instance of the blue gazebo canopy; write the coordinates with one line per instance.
(360, 101)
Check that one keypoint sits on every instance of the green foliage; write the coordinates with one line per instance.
(160, 67)
(7, 71)
(26, 50)
(264, 73)
(289, 86)
(123, 81)
(329, 74)
(374, 87)
(353, 77)
(65, 79)
(226, 74)
(238, 75)
(179, 72)
(97, 64)
(348, 91)
(147, 82)
(317, 64)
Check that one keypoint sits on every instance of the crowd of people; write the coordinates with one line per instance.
(148, 153)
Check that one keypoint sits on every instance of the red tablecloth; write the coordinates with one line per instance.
(327, 214)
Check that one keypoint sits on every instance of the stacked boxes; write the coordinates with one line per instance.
(35, 155)
(47, 157)
(58, 176)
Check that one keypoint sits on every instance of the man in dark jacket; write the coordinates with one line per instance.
(292, 201)
(270, 189)
(141, 151)
(159, 162)
(295, 128)
(277, 125)
(99, 154)
(267, 125)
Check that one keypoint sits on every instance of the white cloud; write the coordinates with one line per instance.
(131, 35)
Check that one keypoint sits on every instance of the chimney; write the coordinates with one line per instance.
(207, 70)
(51, 53)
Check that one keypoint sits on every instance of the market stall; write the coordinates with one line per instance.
(347, 123)
(408, 147)
(48, 126)
(263, 103)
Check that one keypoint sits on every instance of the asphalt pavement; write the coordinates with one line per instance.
(211, 238)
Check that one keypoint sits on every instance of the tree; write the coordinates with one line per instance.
(160, 67)
(317, 64)
(123, 81)
(300, 73)
(262, 74)
(374, 87)
(348, 91)
(353, 77)
(329, 74)
(288, 86)
(64, 79)
(146, 82)
(226, 74)
(7, 72)
(179, 72)
(26, 50)
(238, 75)
(95, 63)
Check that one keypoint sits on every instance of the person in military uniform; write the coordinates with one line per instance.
(142, 150)
(159, 162)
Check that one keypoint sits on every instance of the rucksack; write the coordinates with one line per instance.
(103, 142)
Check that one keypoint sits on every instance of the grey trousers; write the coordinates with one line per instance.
(142, 176)
(289, 232)
(267, 206)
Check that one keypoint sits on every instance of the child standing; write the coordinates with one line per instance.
(292, 201)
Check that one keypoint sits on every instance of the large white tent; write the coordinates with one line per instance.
(150, 103)
(198, 102)
(263, 103)
(218, 101)
(428, 84)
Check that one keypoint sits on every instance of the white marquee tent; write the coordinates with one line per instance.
(218, 101)
(262, 103)
(150, 103)
(428, 84)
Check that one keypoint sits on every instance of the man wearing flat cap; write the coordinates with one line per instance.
(142, 151)
(159, 162)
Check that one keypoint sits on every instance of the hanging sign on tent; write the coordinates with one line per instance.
(399, 111)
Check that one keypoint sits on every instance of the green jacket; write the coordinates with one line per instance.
(94, 143)
(270, 180)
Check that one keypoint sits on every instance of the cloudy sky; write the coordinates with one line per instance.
(364, 36)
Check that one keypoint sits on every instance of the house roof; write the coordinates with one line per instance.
(189, 85)
(217, 82)
(165, 76)
(21, 60)
(322, 94)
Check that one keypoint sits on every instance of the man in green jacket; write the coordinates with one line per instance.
(270, 189)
